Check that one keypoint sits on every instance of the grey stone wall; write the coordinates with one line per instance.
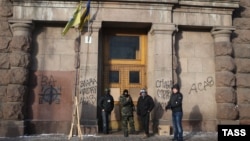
(241, 46)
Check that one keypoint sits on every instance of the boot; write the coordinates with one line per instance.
(132, 132)
(125, 134)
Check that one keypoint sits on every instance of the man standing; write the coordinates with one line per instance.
(175, 104)
(127, 109)
(106, 103)
(145, 105)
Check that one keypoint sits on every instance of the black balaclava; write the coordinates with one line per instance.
(143, 92)
(125, 93)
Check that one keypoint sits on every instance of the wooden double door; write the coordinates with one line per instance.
(124, 68)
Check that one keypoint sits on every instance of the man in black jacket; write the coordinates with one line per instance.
(145, 105)
(106, 103)
(175, 104)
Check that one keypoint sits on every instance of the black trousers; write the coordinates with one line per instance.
(145, 123)
(105, 122)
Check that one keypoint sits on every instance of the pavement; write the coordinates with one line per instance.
(188, 136)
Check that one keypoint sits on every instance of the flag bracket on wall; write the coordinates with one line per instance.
(88, 39)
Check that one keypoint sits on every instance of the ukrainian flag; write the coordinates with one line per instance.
(85, 16)
(75, 20)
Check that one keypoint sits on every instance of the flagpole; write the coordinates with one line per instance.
(88, 25)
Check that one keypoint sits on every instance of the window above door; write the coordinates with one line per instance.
(124, 47)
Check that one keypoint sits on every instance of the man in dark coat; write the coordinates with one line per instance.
(175, 104)
(145, 105)
(106, 103)
(127, 109)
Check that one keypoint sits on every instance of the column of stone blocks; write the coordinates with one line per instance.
(164, 58)
(241, 45)
(17, 76)
(9, 95)
(225, 76)
(89, 52)
(162, 64)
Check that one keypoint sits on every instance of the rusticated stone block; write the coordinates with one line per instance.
(6, 9)
(13, 111)
(244, 3)
(245, 13)
(243, 36)
(225, 79)
(242, 23)
(18, 76)
(243, 95)
(223, 48)
(243, 80)
(5, 29)
(243, 65)
(20, 43)
(19, 59)
(241, 50)
(244, 111)
(4, 61)
(3, 92)
(224, 63)
(4, 43)
(4, 77)
(15, 93)
(227, 111)
(225, 95)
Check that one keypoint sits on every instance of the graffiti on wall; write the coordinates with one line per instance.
(163, 91)
(163, 88)
(202, 86)
(88, 91)
(50, 93)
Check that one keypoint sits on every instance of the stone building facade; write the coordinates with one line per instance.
(201, 44)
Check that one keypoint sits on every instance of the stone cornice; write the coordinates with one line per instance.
(70, 3)
(211, 3)
(202, 3)
(61, 10)
(133, 1)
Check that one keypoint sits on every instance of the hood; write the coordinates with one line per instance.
(176, 86)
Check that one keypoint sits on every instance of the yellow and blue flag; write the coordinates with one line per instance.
(75, 20)
(85, 16)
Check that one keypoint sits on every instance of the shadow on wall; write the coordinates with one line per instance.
(237, 13)
(32, 83)
(157, 115)
(195, 121)
(178, 37)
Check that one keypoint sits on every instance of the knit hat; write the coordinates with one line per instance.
(143, 91)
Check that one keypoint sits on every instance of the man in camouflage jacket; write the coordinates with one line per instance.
(127, 109)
